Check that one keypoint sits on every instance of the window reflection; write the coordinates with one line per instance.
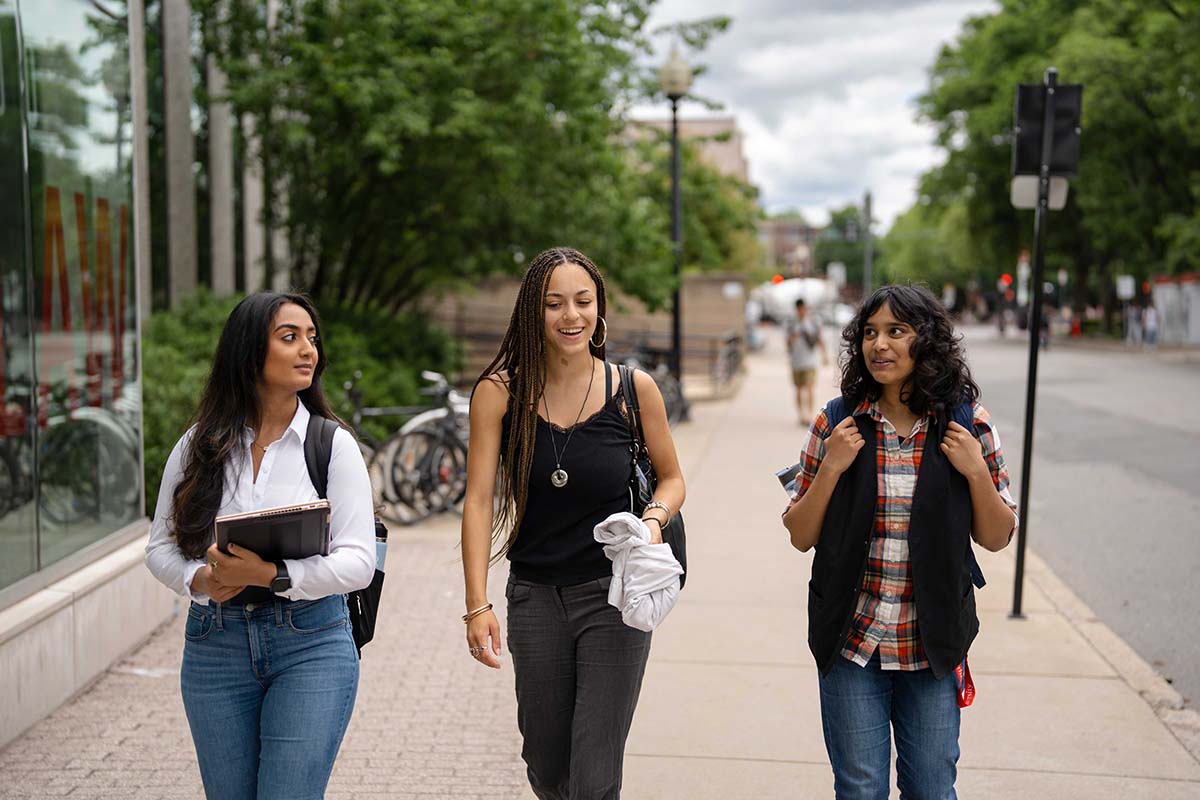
(71, 397)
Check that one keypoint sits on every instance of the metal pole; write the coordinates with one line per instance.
(1035, 325)
(676, 246)
(867, 252)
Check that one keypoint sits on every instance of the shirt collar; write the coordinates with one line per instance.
(298, 425)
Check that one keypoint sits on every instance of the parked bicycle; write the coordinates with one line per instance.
(420, 470)
(656, 362)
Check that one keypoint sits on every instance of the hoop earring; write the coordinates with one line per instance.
(605, 339)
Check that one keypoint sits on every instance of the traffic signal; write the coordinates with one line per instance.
(1006, 279)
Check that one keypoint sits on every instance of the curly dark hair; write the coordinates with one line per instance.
(941, 379)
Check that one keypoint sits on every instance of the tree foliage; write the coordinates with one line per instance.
(1134, 205)
(422, 144)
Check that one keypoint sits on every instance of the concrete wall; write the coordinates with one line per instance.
(56, 642)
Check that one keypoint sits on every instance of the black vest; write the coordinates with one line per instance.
(939, 542)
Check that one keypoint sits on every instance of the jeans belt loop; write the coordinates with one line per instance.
(278, 613)
(217, 617)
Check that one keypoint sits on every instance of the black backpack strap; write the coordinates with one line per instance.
(318, 449)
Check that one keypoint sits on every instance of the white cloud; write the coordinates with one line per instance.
(825, 93)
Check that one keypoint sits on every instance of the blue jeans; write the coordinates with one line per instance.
(268, 690)
(861, 706)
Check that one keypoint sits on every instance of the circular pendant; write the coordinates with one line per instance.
(559, 478)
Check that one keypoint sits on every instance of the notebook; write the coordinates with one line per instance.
(296, 531)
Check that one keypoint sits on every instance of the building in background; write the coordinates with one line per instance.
(73, 593)
(789, 245)
(719, 142)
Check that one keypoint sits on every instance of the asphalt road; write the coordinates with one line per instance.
(1115, 486)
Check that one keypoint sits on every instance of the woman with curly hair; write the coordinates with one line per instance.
(898, 474)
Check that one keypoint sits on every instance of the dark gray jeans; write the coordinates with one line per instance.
(578, 672)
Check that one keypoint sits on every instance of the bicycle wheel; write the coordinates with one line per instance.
(422, 474)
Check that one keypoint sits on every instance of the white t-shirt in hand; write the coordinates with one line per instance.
(282, 480)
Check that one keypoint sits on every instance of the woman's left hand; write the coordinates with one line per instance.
(964, 450)
(240, 567)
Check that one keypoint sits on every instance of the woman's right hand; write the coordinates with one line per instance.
(203, 582)
(483, 638)
(842, 446)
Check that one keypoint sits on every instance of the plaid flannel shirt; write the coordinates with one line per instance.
(885, 618)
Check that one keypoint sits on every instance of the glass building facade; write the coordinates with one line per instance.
(70, 419)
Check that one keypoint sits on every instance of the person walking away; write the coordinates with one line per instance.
(1150, 325)
(891, 489)
(270, 670)
(549, 422)
(804, 349)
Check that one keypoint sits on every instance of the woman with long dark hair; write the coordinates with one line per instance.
(549, 459)
(270, 670)
(897, 476)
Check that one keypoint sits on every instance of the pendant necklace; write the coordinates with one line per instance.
(559, 477)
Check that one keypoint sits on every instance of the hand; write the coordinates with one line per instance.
(203, 582)
(842, 446)
(479, 630)
(240, 567)
(656, 530)
(964, 451)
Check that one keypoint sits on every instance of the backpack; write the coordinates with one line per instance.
(963, 414)
(363, 604)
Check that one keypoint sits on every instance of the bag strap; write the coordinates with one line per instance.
(629, 391)
(318, 449)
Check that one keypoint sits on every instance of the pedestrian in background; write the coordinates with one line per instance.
(1150, 324)
(550, 449)
(270, 670)
(1133, 324)
(805, 351)
(890, 492)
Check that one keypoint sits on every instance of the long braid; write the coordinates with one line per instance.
(522, 358)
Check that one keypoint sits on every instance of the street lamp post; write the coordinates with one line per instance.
(675, 77)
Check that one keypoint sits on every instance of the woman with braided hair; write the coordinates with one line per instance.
(549, 458)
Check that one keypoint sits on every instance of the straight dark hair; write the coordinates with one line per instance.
(230, 402)
(941, 379)
(522, 359)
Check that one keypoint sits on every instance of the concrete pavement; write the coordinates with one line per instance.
(729, 708)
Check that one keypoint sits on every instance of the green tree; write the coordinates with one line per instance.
(842, 240)
(1133, 206)
(425, 143)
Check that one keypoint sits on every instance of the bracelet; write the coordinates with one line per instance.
(657, 504)
(653, 519)
(470, 615)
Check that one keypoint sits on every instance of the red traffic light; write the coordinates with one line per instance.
(1006, 279)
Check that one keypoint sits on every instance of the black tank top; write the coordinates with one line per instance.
(554, 543)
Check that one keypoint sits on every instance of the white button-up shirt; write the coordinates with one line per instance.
(282, 480)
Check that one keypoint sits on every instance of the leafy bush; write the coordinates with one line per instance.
(177, 350)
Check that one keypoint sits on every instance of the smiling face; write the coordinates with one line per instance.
(291, 350)
(886, 346)
(569, 309)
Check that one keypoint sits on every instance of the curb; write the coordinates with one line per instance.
(1167, 703)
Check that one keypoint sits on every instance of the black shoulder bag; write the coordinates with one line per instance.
(363, 603)
(642, 480)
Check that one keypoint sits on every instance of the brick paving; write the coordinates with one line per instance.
(428, 723)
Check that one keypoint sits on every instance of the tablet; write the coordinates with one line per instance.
(296, 531)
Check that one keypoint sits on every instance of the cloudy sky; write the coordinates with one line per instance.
(825, 92)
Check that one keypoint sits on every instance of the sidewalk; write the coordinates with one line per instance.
(729, 709)
(730, 705)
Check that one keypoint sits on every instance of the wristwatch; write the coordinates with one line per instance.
(282, 581)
